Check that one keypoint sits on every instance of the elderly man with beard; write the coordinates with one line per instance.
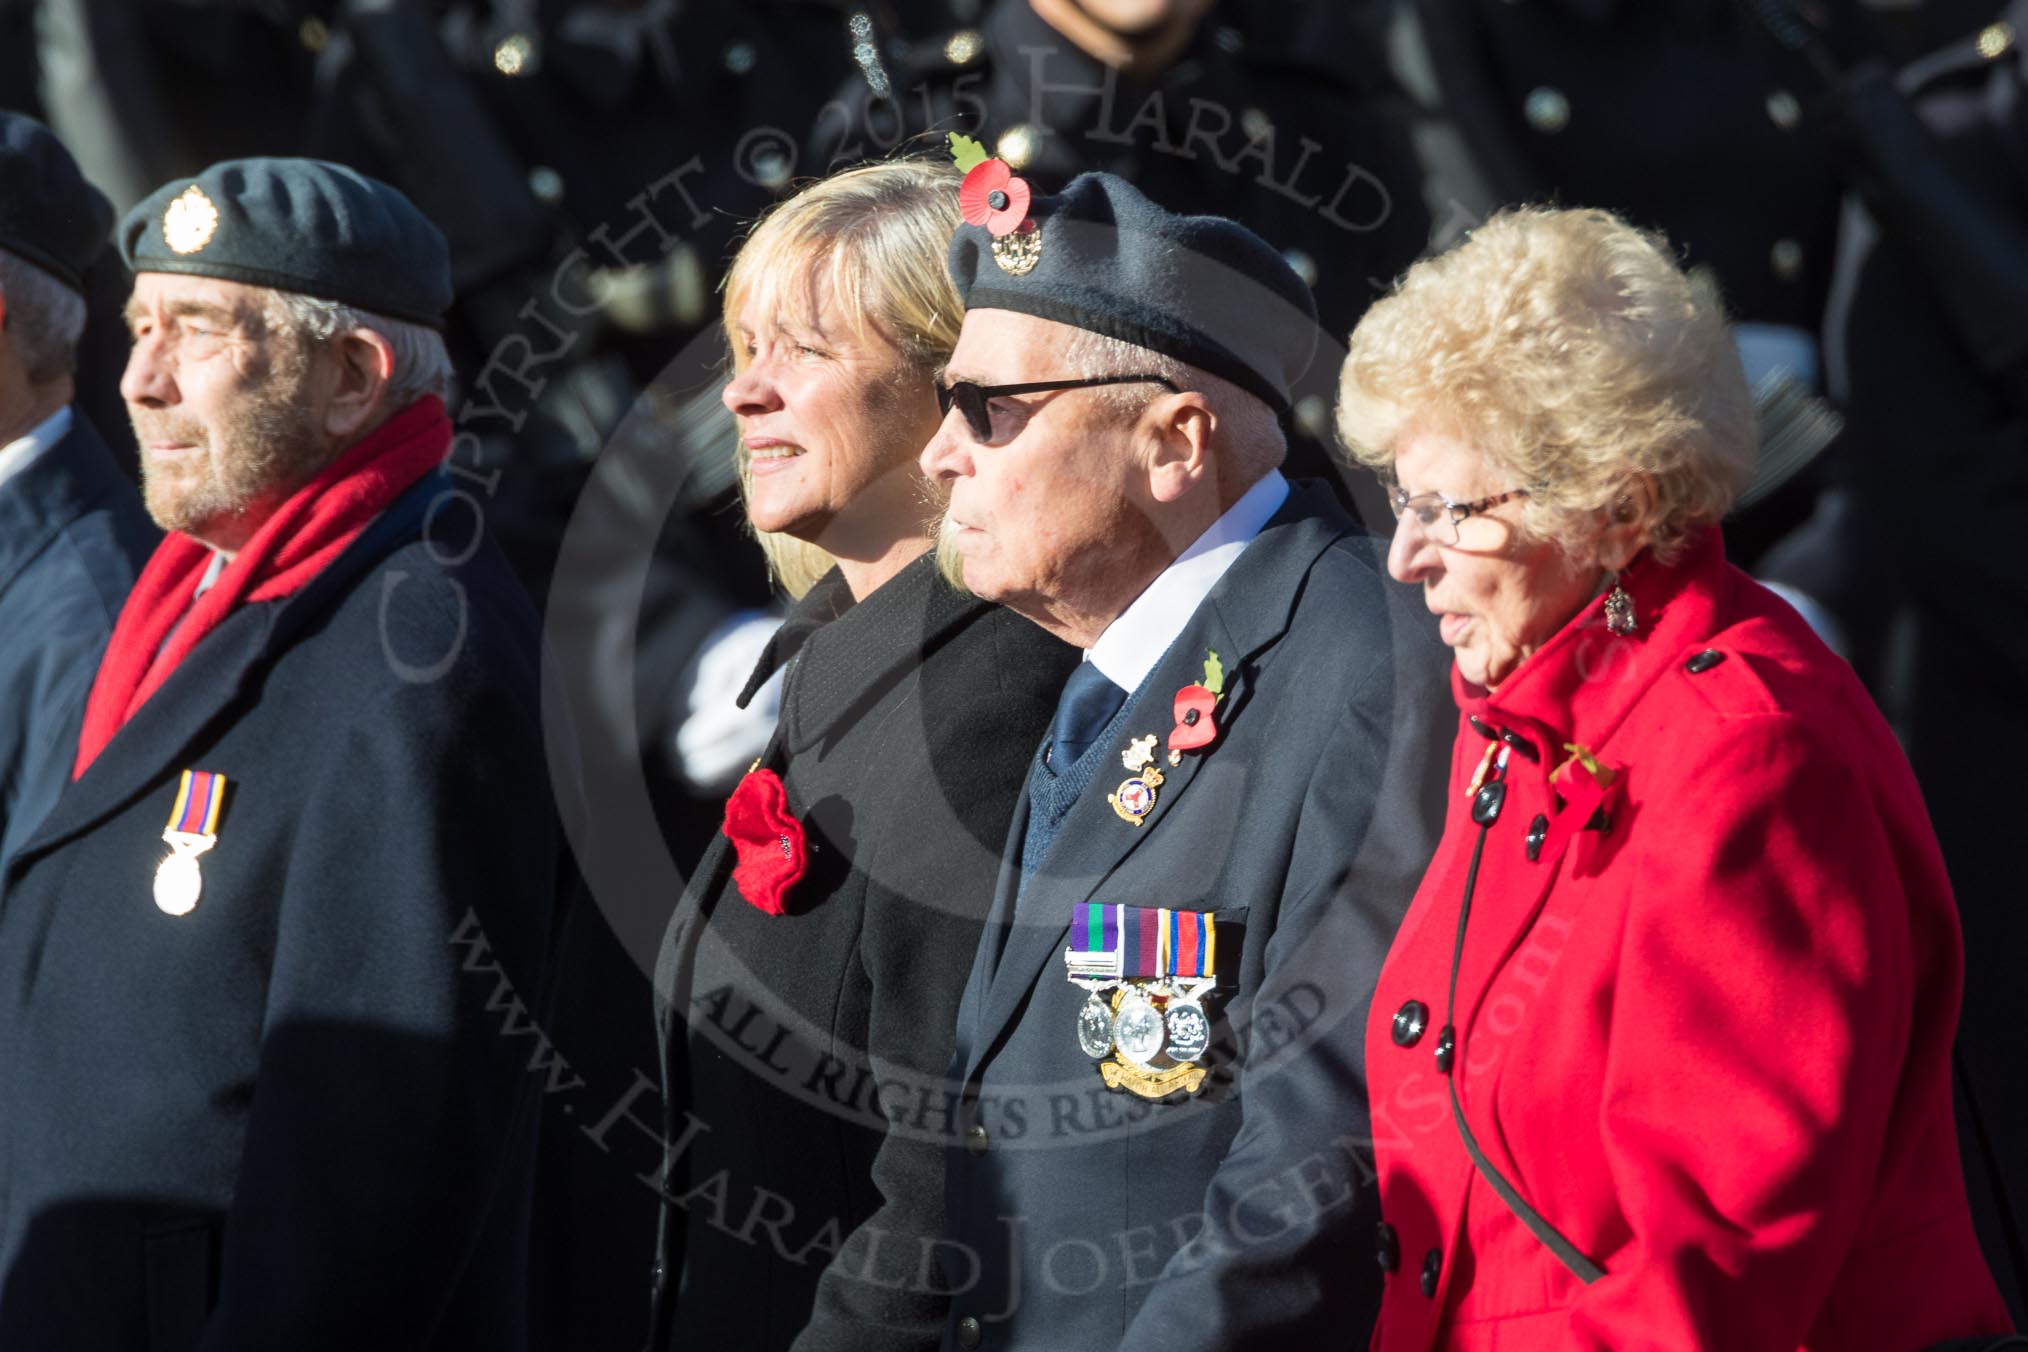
(1159, 1056)
(260, 964)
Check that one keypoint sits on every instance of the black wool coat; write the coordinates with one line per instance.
(297, 1116)
(73, 537)
(805, 1053)
(1083, 1217)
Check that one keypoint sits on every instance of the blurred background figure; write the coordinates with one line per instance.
(73, 534)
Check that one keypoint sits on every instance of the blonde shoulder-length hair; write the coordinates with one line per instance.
(1569, 348)
(870, 243)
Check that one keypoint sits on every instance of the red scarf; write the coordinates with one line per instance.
(299, 541)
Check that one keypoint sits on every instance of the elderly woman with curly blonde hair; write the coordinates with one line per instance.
(1661, 1054)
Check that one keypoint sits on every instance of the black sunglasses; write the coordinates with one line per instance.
(970, 399)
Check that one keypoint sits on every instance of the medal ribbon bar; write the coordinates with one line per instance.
(198, 800)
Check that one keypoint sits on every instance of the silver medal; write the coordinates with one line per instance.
(1095, 1028)
(1137, 1029)
(1189, 1030)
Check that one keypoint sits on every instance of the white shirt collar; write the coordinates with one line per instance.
(16, 454)
(1131, 645)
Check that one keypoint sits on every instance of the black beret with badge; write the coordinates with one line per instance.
(1101, 256)
(49, 214)
(307, 226)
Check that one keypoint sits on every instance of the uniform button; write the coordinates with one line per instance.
(546, 184)
(1704, 661)
(964, 46)
(1547, 110)
(313, 34)
(1783, 110)
(515, 55)
(1313, 416)
(1230, 41)
(1387, 1248)
(1786, 258)
(1300, 263)
(1257, 125)
(1446, 1049)
(1409, 1021)
(1432, 1268)
(739, 57)
(1995, 40)
(1017, 145)
(975, 1139)
(968, 1332)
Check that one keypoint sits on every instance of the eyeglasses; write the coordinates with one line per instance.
(970, 399)
(1438, 516)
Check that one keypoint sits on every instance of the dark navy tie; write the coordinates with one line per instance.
(1088, 703)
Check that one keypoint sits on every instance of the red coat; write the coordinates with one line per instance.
(1710, 1042)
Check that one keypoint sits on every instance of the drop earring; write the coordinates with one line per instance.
(1619, 610)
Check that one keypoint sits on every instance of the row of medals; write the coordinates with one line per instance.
(1137, 1028)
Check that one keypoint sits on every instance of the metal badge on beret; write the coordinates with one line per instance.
(190, 221)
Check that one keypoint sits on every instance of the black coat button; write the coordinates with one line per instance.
(1387, 1248)
(1520, 744)
(1409, 1021)
(1487, 802)
(1480, 728)
(1446, 1048)
(1432, 1268)
(975, 1139)
(968, 1332)
(1538, 831)
(1704, 661)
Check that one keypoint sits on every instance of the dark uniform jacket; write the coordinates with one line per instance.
(1241, 1218)
(806, 1052)
(73, 537)
(294, 1117)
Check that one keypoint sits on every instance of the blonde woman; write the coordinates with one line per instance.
(808, 984)
(1660, 1056)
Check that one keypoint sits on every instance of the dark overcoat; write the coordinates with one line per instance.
(806, 1052)
(73, 537)
(297, 1116)
(1085, 1218)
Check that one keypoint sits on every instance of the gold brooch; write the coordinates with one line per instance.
(190, 221)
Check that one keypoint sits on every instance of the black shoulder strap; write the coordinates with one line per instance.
(1485, 810)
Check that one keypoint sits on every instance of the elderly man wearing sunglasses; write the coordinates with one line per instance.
(1159, 1055)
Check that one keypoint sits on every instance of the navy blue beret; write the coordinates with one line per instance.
(49, 215)
(296, 225)
(1202, 289)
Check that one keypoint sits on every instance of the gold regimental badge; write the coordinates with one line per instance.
(1019, 252)
(190, 221)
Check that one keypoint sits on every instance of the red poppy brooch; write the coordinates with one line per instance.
(1196, 711)
(768, 840)
(992, 197)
